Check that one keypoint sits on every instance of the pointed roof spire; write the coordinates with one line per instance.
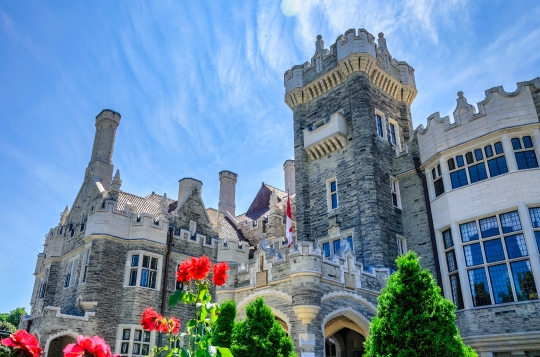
(164, 204)
(117, 181)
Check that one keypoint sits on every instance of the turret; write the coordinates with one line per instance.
(101, 166)
(185, 187)
(227, 192)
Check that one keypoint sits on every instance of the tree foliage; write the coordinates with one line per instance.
(6, 329)
(223, 328)
(260, 335)
(14, 316)
(413, 319)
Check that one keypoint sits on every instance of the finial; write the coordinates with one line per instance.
(460, 94)
(319, 37)
(381, 34)
(319, 44)
(117, 181)
(64, 216)
(164, 205)
(382, 41)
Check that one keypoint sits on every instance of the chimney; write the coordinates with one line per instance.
(227, 192)
(185, 187)
(288, 168)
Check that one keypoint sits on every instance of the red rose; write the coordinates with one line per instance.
(95, 346)
(199, 267)
(23, 342)
(150, 319)
(182, 275)
(220, 273)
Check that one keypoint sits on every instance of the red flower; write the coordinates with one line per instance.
(174, 324)
(23, 342)
(169, 325)
(95, 346)
(199, 267)
(182, 275)
(220, 273)
(150, 319)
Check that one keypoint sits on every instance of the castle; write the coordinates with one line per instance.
(463, 193)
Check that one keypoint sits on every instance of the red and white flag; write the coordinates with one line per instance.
(289, 223)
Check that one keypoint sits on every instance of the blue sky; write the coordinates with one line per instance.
(199, 85)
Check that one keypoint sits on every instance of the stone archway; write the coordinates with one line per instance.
(345, 331)
(56, 344)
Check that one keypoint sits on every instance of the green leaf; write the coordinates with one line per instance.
(225, 352)
(191, 323)
(201, 353)
(203, 313)
(185, 353)
(173, 300)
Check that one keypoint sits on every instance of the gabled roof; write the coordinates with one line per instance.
(261, 203)
(150, 204)
(229, 231)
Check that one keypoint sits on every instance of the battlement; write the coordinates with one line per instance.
(499, 110)
(269, 266)
(354, 51)
(108, 114)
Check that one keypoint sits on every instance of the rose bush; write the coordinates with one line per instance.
(23, 344)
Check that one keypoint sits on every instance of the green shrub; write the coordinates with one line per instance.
(223, 328)
(413, 319)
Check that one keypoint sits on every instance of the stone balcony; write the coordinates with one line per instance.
(325, 136)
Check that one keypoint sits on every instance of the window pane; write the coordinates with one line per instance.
(126, 333)
(146, 336)
(489, 227)
(516, 247)
(497, 166)
(136, 348)
(451, 261)
(146, 261)
(447, 237)
(537, 235)
(145, 349)
(333, 186)
(152, 279)
(134, 260)
(473, 254)
(469, 158)
(336, 246)
(451, 164)
(478, 154)
(479, 287)
(498, 148)
(439, 187)
(510, 222)
(478, 172)
(459, 178)
(394, 200)
(459, 161)
(326, 249)
(494, 250)
(433, 174)
(125, 347)
(153, 264)
(524, 280)
(144, 277)
(469, 232)
(133, 277)
(439, 170)
(489, 151)
(527, 142)
(535, 216)
(516, 144)
(521, 161)
(334, 200)
(137, 336)
(457, 296)
(392, 134)
(349, 240)
(500, 283)
(530, 157)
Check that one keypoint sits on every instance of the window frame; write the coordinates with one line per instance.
(507, 261)
(395, 192)
(436, 178)
(329, 242)
(129, 268)
(131, 341)
(85, 262)
(330, 194)
(401, 245)
(457, 295)
(524, 150)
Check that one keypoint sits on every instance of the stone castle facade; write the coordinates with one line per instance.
(365, 187)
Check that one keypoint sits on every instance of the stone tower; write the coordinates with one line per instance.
(288, 168)
(227, 192)
(101, 166)
(351, 113)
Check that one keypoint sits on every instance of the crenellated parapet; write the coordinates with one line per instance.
(499, 110)
(352, 52)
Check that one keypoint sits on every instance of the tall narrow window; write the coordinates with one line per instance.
(535, 220)
(396, 199)
(393, 134)
(379, 123)
(84, 265)
(326, 249)
(437, 180)
(451, 263)
(332, 194)
(525, 154)
(337, 246)
(350, 241)
(402, 245)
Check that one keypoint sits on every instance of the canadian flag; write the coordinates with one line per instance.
(289, 223)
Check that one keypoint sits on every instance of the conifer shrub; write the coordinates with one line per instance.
(223, 328)
(260, 335)
(413, 318)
